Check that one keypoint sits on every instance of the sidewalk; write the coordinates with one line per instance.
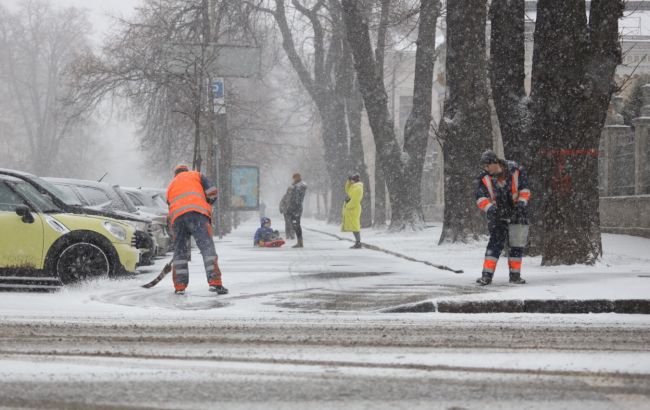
(326, 277)
(620, 282)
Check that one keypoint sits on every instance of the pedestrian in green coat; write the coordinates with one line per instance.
(352, 208)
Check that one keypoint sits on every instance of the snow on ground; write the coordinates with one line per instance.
(328, 277)
(84, 368)
(623, 272)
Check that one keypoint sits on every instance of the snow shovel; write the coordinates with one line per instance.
(161, 276)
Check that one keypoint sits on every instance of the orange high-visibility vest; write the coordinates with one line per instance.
(186, 194)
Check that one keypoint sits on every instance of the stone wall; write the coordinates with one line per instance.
(624, 168)
(623, 171)
(628, 215)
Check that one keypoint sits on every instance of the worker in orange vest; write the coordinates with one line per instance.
(190, 196)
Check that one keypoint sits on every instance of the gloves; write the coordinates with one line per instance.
(491, 218)
(521, 213)
(491, 213)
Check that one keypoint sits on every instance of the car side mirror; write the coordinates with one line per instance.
(25, 213)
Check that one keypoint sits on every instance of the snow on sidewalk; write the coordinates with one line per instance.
(623, 272)
(328, 277)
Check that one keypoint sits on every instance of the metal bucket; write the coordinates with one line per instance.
(518, 235)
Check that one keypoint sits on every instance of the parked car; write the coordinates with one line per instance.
(157, 214)
(41, 244)
(103, 196)
(70, 203)
(151, 200)
(148, 200)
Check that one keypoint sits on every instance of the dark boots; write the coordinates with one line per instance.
(219, 289)
(516, 279)
(357, 240)
(484, 280)
(487, 279)
(298, 244)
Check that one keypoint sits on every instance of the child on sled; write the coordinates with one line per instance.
(266, 237)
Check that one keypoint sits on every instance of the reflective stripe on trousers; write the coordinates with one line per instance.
(195, 225)
(498, 239)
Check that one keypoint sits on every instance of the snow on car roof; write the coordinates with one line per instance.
(9, 178)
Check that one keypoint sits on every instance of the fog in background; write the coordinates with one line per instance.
(120, 155)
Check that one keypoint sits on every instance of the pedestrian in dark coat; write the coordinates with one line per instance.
(284, 206)
(294, 208)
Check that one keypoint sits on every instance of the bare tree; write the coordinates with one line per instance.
(401, 166)
(556, 132)
(37, 43)
(160, 63)
(325, 73)
(465, 127)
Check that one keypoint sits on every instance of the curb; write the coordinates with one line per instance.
(554, 306)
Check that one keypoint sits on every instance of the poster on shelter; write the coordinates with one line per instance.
(245, 188)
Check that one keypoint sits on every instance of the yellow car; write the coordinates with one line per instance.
(41, 243)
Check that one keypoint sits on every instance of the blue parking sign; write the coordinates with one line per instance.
(217, 89)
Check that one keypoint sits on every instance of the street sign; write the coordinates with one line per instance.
(218, 88)
(217, 92)
(220, 59)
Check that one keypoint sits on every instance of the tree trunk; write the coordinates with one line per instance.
(466, 126)
(507, 71)
(572, 83)
(507, 75)
(321, 88)
(603, 58)
(400, 167)
(577, 89)
(354, 108)
(380, 213)
(418, 124)
(336, 153)
(380, 198)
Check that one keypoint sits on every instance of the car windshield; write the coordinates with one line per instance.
(126, 200)
(135, 198)
(159, 201)
(43, 202)
(65, 195)
(103, 198)
(148, 199)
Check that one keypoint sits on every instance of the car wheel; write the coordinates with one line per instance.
(81, 261)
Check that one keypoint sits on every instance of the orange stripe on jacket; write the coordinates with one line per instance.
(524, 195)
(484, 204)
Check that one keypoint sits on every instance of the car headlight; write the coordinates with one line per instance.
(116, 230)
(138, 226)
(56, 225)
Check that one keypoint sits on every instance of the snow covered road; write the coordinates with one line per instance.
(441, 362)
